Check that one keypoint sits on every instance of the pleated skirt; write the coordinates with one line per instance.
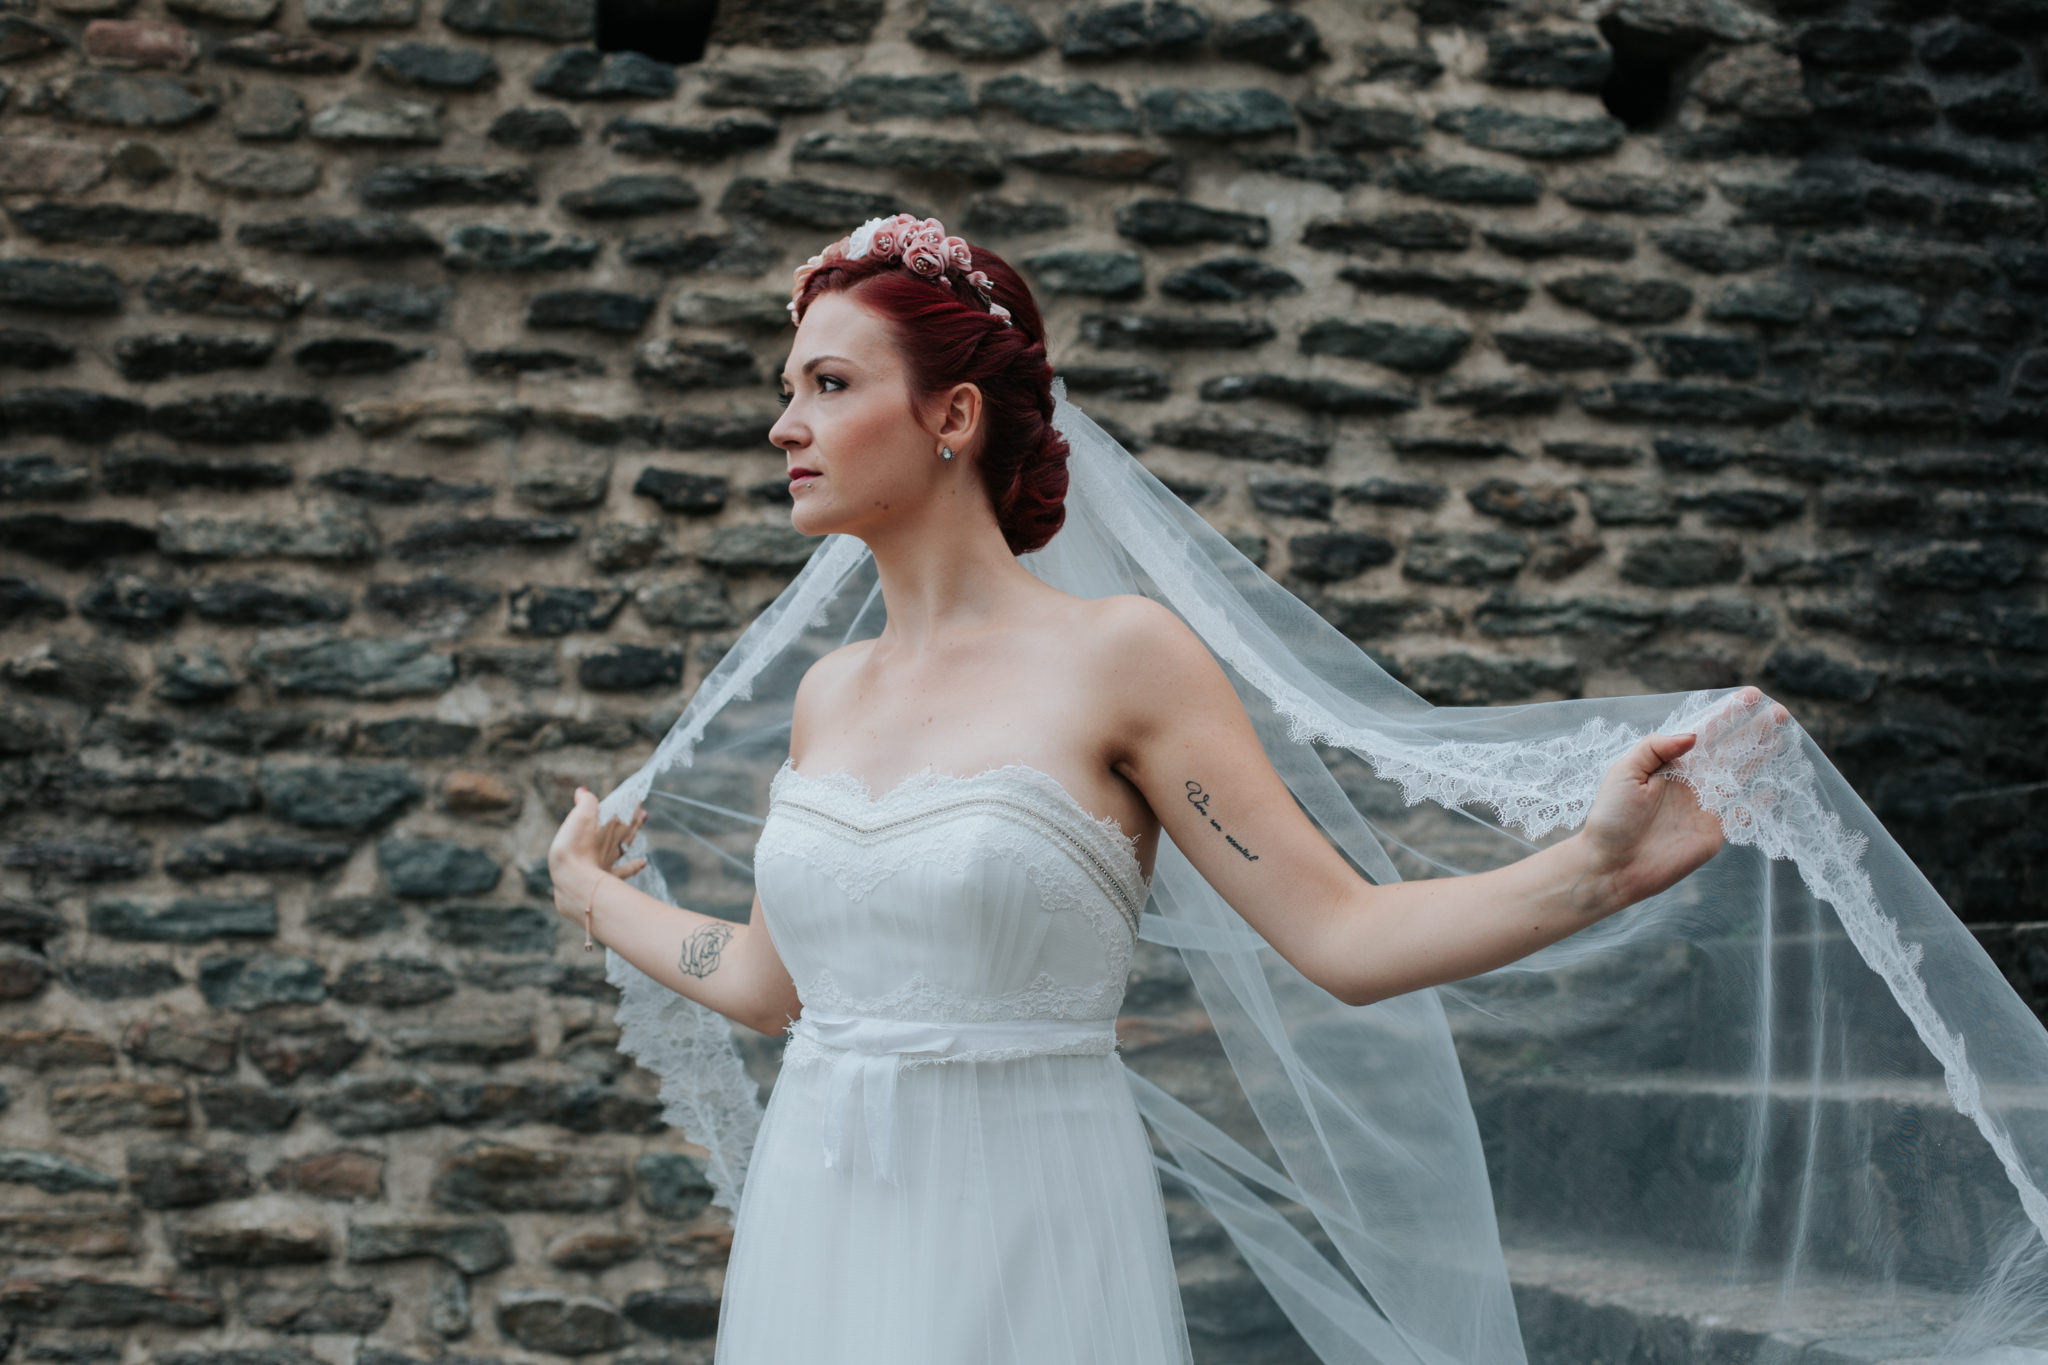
(1025, 1227)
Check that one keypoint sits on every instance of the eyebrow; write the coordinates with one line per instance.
(814, 362)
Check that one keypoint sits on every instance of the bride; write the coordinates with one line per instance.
(983, 802)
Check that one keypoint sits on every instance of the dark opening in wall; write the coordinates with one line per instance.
(666, 30)
(1639, 88)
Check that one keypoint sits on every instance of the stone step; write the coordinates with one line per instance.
(1626, 1302)
(1668, 1157)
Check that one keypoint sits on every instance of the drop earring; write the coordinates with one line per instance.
(945, 452)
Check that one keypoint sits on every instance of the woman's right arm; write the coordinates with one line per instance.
(731, 968)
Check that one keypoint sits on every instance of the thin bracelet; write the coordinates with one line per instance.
(590, 907)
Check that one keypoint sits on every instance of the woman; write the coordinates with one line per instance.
(959, 845)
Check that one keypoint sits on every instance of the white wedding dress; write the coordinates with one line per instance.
(951, 1167)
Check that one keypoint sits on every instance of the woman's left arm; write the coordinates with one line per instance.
(1185, 741)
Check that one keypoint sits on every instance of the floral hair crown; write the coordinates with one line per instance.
(920, 243)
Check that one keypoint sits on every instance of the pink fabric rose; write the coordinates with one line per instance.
(957, 252)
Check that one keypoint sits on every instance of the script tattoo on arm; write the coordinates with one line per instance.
(701, 950)
(1199, 799)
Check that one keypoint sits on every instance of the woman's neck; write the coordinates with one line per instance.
(946, 575)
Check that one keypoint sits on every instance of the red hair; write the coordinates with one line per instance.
(947, 336)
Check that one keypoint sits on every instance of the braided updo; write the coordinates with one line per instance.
(947, 335)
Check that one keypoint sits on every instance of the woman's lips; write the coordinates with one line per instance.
(796, 475)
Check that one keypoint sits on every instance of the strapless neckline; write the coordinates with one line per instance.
(924, 781)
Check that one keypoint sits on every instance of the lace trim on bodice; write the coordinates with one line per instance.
(1077, 863)
(1036, 799)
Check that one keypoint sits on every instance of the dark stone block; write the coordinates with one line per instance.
(190, 919)
(692, 142)
(1074, 106)
(1174, 333)
(510, 362)
(584, 73)
(796, 23)
(130, 99)
(328, 357)
(1462, 182)
(394, 983)
(1521, 504)
(263, 855)
(1593, 241)
(365, 917)
(1681, 562)
(1245, 441)
(1338, 171)
(435, 66)
(1134, 382)
(398, 490)
(1629, 504)
(420, 184)
(676, 1313)
(418, 737)
(92, 672)
(1796, 202)
(777, 89)
(496, 928)
(1459, 289)
(75, 414)
(1533, 135)
(1852, 43)
(1501, 397)
(688, 365)
(1216, 114)
(113, 224)
(379, 1104)
(560, 21)
(630, 668)
(2008, 113)
(1773, 302)
(1331, 556)
(1464, 558)
(1452, 447)
(221, 292)
(1645, 195)
(1279, 40)
(1656, 401)
(1957, 45)
(200, 676)
(713, 431)
(1507, 613)
(1227, 279)
(449, 539)
(287, 54)
(1103, 274)
(1292, 497)
(1814, 673)
(24, 599)
(247, 984)
(1747, 507)
(436, 603)
(1681, 355)
(131, 605)
(691, 253)
(436, 867)
(1536, 59)
(629, 196)
(1126, 163)
(1395, 493)
(1134, 29)
(73, 541)
(1619, 298)
(676, 490)
(537, 667)
(39, 478)
(1413, 349)
(1174, 222)
(137, 980)
(1312, 395)
(554, 611)
(26, 349)
(234, 418)
(354, 796)
(160, 355)
(24, 39)
(1415, 230)
(597, 310)
(1718, 251)
(534, 130)
(375, 235)
(1899, 259)
(1955, 566)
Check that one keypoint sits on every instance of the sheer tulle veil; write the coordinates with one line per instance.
(1793, 1079)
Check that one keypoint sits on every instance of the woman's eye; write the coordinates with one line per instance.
(784, 397)
(834, 381)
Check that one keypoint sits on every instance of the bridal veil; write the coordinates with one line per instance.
(1793, 1080)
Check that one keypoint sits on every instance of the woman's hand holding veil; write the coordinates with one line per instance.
(1646, 829)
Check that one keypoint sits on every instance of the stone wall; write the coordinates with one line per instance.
(382, 400)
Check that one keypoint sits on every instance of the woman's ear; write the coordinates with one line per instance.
(960, 418)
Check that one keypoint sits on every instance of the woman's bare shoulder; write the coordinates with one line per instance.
(819, 680)
(1133, 638)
